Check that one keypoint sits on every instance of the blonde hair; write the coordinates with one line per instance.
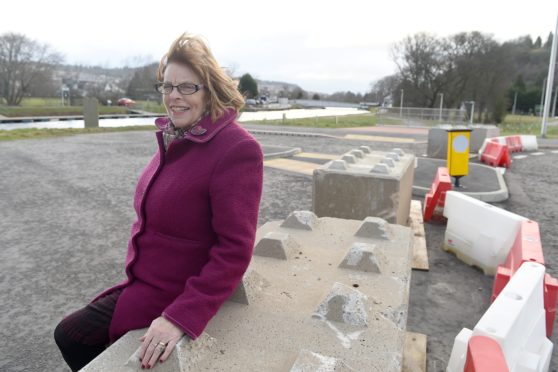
(193, 52)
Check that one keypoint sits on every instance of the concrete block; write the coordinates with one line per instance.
(378, 184)
(479, 133)
(301, 220)
(478, 233)
(363, 257)
(91, 112)
(516, 321)
(308, 361)
(276, 245)
(438, 139)
(307, 313)
(123, 355)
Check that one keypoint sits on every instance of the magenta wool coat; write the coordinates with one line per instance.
(197, 211)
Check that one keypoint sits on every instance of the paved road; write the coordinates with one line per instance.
(65, 214)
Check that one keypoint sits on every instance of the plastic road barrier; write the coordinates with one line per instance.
(496, 155)
(514, 143)
(485, 355)
(434, 200)
(516, 321)
(527, 248)
(478, 233)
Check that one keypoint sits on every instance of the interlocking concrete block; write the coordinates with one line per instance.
(91, 112)
(308, 361)
(307, 313)
(364, 257)
(276, 245)
(302, 220)
(123, 355)
(376, 184)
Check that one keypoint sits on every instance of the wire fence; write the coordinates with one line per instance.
(421, 116)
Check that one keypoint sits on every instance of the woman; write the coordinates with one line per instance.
(197, 209)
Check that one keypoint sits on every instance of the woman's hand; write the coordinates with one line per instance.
(158, 342)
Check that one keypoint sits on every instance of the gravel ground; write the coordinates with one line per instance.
(66, 210)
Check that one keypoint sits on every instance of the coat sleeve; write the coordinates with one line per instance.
(235, 191)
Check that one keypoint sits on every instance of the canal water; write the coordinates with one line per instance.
(244, 117)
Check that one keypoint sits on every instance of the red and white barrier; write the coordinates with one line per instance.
(514, 143)
(516, 321)
(434, 201)
(529, 143)
(496, 155)
(478, 233)
(527, 248)
(485, 355)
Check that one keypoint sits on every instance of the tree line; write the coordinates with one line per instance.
(468, 66)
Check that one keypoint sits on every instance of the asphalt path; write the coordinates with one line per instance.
(66, 211)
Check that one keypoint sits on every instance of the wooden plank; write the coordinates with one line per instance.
(420, 253)
(414, 355)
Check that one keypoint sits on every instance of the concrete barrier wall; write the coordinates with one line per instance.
(516, 320)
(438, 139)
(365, 183)
(320, 294)
(478, 233)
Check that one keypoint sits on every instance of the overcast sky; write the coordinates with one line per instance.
(322, 46)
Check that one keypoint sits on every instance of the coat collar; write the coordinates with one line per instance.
(206, 129)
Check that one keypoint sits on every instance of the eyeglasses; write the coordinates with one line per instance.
(184, 88)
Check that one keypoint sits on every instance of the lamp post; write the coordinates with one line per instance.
(441, 105)
(542, 97)
(472, 112)
(550, 80)
(401, 104)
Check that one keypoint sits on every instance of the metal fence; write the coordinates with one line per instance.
(419, 115)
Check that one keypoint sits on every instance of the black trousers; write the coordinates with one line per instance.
(84, 334)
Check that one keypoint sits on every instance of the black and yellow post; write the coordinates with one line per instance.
(458, 153)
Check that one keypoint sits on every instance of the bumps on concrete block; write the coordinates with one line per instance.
(301, 220)
(185, 357)
(375, 228)
(249, 288)
(398, 151)
(380, 168)
(337, 165)
(276, 245)
(357, 153)
(344, 304)
(309, 361)
(363, 257)
(350, 159)
(387, 161)
(392, 155)
(365, 149)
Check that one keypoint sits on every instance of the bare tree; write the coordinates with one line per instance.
(22, 62)
(384, 88)
(422, 64)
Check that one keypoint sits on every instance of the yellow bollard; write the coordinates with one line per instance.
(458, 153)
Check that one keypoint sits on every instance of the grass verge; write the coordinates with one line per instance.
(347, 121)
(24, 111)
(17, 134)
